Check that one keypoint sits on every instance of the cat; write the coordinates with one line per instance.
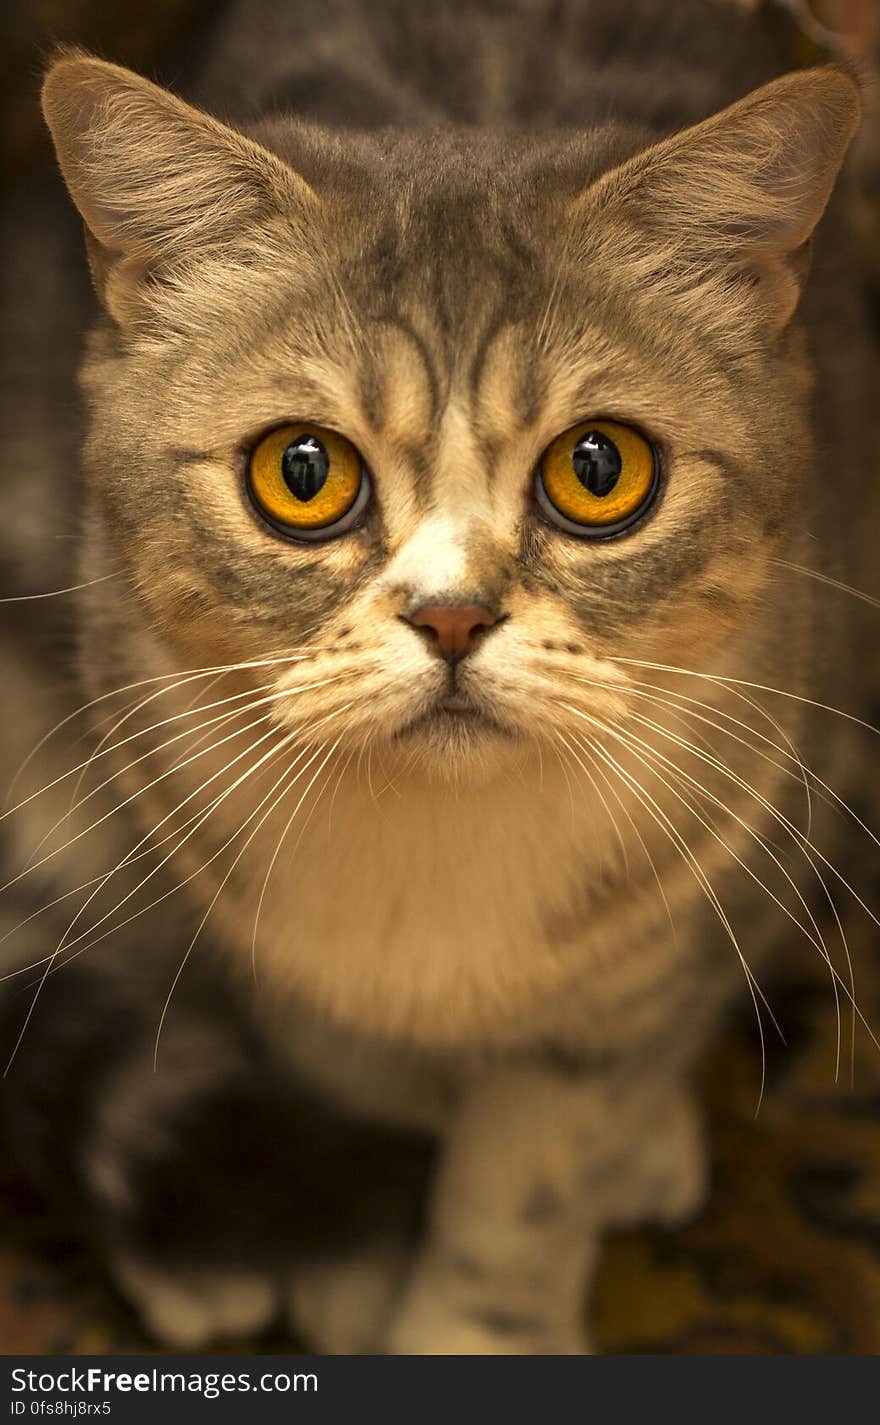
(462, 412)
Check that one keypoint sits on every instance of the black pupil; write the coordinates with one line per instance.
(597, 463)
(305, 466)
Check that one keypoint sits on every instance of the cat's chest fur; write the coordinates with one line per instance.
(420, 894)
(452, 915)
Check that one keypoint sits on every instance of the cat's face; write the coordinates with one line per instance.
(451, 313)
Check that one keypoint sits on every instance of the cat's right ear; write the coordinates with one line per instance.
(157, 182)
(742, 191)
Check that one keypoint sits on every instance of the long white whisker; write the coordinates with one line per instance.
(798, 837)
(688, 784)
(267, 661)
(663, 821)
(148, 844)
(827, 792)
(213, 725)
(828, 580)
(784, 821)
(761, 688)
(562, 765)
(587, 745)
(155, 870)
(342, 771)
(64, 943)
(284, 694)
(147, 840)
(106, 751)
(800, 840)
(202, 816)
(680, 776)
(56, 593)
(672, 700)
(275, 855)
(223, 883)
(595, 785)
(131, 711)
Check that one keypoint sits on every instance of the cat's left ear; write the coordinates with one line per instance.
(158, 183)
(745, 188)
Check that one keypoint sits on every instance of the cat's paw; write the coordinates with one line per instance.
(665, 1179)
(342, 1306)
(190, 1309)
(432, 1331)
(676, 1161)
(433, 1322)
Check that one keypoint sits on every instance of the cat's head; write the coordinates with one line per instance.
(448, 422)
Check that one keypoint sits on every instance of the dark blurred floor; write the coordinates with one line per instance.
(785, 1259)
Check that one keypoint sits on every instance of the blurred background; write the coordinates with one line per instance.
(786, 1257)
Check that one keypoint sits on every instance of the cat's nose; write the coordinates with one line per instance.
(453, 630)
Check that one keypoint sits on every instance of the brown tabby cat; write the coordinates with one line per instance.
(454, 699)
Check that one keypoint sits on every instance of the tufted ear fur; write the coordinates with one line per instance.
(156, 181)
(745, 187)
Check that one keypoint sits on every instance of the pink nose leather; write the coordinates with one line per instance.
(453, 629)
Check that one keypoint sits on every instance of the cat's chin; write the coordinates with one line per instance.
(455, 739)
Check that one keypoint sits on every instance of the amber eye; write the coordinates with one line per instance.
(597, 478)
(309, 482)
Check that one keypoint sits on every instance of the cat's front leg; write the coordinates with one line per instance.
(539, 1161)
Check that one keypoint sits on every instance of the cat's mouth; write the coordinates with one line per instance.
(453, 714)
(457, 705)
